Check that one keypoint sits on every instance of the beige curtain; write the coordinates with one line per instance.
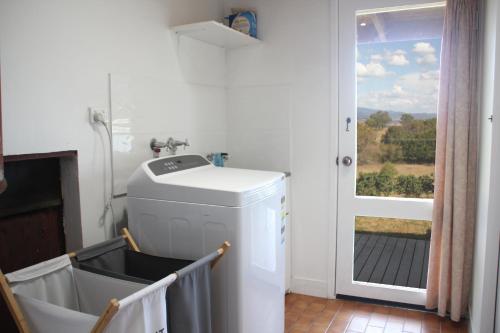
(450, 262)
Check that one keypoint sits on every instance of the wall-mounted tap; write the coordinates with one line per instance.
(172, 144)
(155, 144)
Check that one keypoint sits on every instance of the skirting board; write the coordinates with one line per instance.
(311, 287)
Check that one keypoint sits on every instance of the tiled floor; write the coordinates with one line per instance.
(318, 315)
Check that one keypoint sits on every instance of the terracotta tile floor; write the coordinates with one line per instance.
(318, 315)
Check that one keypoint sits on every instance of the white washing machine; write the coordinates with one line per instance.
(184, 207)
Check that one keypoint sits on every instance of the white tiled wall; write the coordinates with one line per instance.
(193, 108)
(258, 120)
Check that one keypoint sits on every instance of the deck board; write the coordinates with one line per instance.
(365, 253)
(373, 259)
(417, 264)
(385, 256)
(423, 278)
(392, 260)
(359, 243)
(405, 265)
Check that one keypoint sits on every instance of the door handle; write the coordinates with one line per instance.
(347, 160)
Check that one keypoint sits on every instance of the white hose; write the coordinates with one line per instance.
(109, 204)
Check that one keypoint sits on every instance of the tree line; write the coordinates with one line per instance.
(412, 141)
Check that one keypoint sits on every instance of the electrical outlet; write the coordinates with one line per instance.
(95, 115)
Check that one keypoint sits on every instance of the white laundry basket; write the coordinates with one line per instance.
(52, 296)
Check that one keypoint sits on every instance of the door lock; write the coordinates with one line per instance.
(347, 122)
(347, 160)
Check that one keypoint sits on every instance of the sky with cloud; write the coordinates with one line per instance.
(399, 76)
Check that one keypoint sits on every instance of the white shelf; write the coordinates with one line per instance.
(215, 33)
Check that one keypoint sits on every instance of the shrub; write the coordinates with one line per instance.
(385, 184)
(409, 185)
(366, 184)
(376, 183)
(389, 169)
(427, 182)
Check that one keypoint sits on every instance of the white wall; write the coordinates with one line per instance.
(281, 89)
(55, 58)
(161, 107)
(494, 211)
(486, 246)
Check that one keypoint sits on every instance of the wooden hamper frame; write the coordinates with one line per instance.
(108, 313)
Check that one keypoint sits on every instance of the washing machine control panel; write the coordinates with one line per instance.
(176, 163)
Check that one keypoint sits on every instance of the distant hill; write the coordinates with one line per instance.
(364, 113)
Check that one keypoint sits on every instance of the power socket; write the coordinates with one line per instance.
(95, 115)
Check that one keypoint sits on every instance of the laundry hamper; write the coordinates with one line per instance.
(55, 297)
(188, 298)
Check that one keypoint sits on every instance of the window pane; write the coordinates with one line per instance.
(398, 66)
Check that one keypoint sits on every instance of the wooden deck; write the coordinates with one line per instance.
(392, 260)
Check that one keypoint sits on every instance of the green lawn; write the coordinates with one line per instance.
(402, 168)
(392, 226)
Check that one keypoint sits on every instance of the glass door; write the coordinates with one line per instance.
(389, 52)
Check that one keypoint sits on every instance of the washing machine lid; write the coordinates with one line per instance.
(192, 179)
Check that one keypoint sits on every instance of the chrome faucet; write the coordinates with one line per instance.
(171, 145)
(155, 144)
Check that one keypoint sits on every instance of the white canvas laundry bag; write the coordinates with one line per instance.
(57, 298)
